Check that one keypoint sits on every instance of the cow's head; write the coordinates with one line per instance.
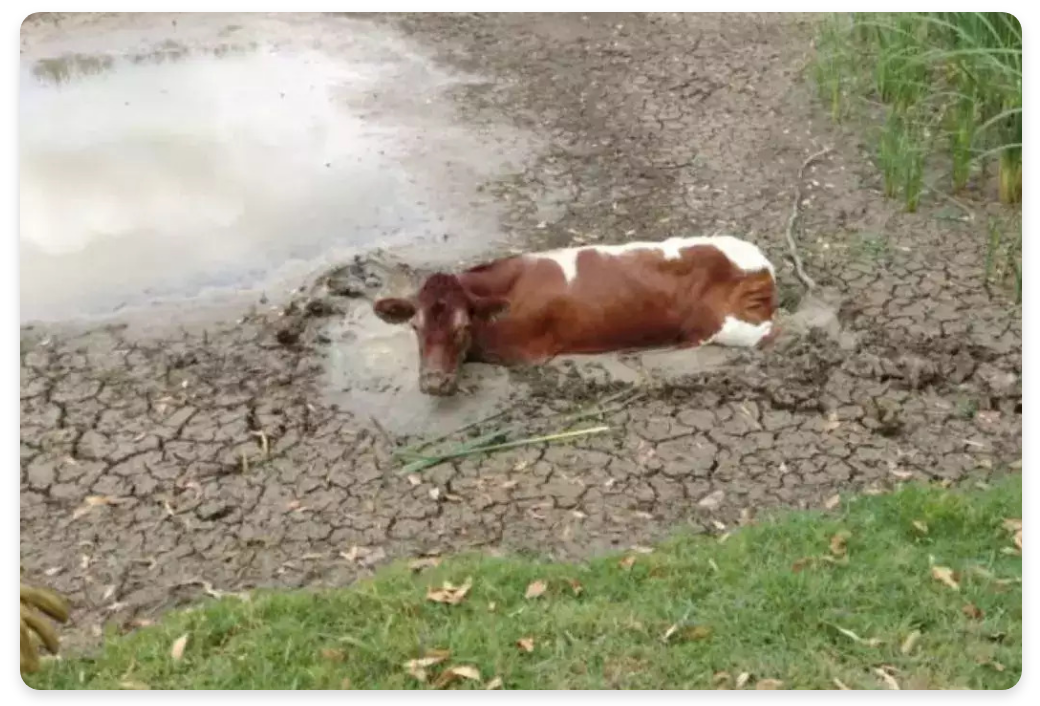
(442, 315)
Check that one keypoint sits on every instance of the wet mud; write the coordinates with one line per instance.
(256, 449)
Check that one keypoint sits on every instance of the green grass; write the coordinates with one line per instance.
(764, 602)
(947, 85)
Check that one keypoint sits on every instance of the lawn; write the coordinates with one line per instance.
(916, 589)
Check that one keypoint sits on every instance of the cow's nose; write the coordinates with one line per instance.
(435, 382)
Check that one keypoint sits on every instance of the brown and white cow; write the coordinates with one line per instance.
(526, 309)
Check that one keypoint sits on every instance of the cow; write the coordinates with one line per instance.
(526, 309)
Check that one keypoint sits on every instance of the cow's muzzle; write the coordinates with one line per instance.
(438, 383)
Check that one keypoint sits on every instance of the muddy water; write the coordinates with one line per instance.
(178, 159)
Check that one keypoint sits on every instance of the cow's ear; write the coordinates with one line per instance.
(488, 308)
(393, 310)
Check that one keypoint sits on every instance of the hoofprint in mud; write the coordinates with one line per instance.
(242, 452)
(531, 308)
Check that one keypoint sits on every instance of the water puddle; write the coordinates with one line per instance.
(219, 153)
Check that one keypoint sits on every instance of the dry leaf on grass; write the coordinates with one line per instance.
(177, 651)
(801, 563)
(742, 679)
(426, 562)
(840, 684)
(832, 502)
(871, 642)
(972, 611)
(909, 642)
(1012, 524)
(133, 685)
(535, 589)
(946, 576)
(449, 593)
(332, 654)
(417, 667)
(627, 562)
(920, 526)
(495, 683)
(452, 674)
(687, 633)
(721, 680)
(889, 680)
(839, 543)
(768, 684)
(576, 587)
(526, 644)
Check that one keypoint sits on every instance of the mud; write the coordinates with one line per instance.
(233, 457)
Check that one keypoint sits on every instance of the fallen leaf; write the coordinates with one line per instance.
(92, 501)
(800, 564)
(972, 611)
(417, 667)
(641, 550)
(712, 500)
(720, 680)
(902, 475)
(669, 632)
(426, 562)
(832, 502)
(332, 654)
(434, 493)
(627, 562)
(576, 587)
(695, 632)
(768, 684)
(889, 680)
(742, 679)
(449, 593)
(945, 574)
(133, 685)
(414, 479)
(871, 642)
(462, 671)
(832, 422)
(840, 684)
(838, 543)
(535, 589)
(910, 641)
(495, 683)
(177, 651)
(721, 527)
(920, 526)
(526, 644)
(1012, 524)
(354, 553)
(996, 665)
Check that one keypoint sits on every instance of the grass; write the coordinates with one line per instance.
(803, 598)
(947, 87)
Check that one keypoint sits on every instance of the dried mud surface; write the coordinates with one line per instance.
(225, 470)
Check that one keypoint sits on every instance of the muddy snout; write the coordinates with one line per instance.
(438, 383)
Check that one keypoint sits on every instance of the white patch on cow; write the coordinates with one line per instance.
(741, 253)
(740, 334)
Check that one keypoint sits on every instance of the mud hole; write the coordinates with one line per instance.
(232, 455)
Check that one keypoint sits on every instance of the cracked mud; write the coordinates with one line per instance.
(222, 462)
